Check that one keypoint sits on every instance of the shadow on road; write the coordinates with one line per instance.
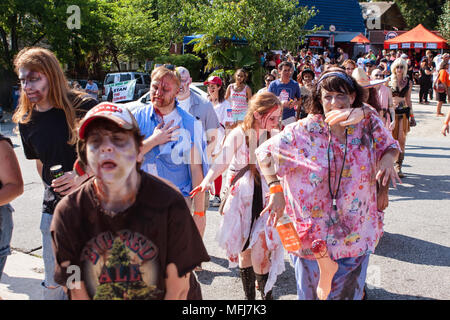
(206, 276)
(413, 147)
(23, 285)
(422, 187)
(412, 250)
(286, 283)
(381, 294)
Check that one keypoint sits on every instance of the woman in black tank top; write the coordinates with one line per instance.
(401, 87)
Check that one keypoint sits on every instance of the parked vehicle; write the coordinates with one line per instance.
(142, 83)
(198, 88)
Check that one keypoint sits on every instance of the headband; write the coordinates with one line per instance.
(341, 75)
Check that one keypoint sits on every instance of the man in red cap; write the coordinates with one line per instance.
(124, 234)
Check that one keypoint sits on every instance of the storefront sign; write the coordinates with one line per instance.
(316, 42)
(406, 45)
(418, 45)
(393, 46)
(390, 35)
(431, 45)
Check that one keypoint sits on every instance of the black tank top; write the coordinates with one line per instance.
(400, 93)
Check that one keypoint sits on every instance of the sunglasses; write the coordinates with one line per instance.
(379, 75)
(400, 67)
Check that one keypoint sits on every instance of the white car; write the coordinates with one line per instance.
(145, 99)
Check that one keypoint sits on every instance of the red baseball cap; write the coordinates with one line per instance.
(213, 80)
(114, 112)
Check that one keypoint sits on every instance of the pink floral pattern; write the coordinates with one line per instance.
(301, 161)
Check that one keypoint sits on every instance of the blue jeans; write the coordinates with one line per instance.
(6, 228)
(57, 292)
(348, 282)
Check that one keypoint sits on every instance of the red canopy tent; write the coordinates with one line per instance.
(360, 38)
(417, 38)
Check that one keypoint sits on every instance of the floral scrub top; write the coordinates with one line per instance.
(301, 161)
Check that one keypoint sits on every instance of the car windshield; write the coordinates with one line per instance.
(109, 79)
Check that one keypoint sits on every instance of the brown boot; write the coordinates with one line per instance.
(398, 165)
(262, 279)
(248, 282)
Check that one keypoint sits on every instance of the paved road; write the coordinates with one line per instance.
(412, 260)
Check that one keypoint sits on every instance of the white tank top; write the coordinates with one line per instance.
(239, 103)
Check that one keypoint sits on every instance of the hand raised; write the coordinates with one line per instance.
(163, 134)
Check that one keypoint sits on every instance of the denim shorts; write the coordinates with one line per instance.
(348, 282)
(6, 228)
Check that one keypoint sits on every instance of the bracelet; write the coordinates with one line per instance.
(411, 115)
(276, 189)
(199, 213)
(272, 182)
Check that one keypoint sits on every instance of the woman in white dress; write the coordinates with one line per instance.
(246, 237)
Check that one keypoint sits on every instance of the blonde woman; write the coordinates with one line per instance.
(401, 87)
(244, 234)
(47, 117)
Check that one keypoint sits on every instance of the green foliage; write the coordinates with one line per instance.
(136, 31)
(444, 22)
(263, 24)
(191, 62)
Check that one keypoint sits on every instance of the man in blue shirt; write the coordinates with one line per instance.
(92, 89)
(287, 90)
(175, 143)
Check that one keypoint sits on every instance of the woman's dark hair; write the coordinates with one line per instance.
(269, 75)
(221, 94)
(344, 84)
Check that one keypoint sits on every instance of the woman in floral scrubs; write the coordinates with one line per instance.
(317, 163)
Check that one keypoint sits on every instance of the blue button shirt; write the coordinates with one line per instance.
(172, 160)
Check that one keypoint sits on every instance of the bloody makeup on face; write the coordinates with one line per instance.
(34, 84)
(271, 119)
(163, 92)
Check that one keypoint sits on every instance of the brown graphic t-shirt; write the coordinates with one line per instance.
(125, 256)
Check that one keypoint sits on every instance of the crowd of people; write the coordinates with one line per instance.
(319, 143)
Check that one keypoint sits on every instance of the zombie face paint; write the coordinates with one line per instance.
(163, 92)
(271, 120)
(336, 100)
(185, 81)
(112, 156)
(34, 84)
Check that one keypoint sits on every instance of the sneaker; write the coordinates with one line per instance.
(216, 201)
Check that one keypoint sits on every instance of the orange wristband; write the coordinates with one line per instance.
(199, 213)
(276, 189)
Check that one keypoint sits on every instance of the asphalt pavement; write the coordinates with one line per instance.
(412, 260)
